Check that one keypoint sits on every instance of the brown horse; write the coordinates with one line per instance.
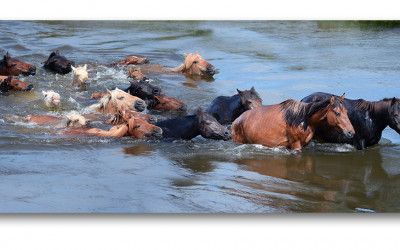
(131, 60)
(118, 100)
(136, 74)
(14, 67)
(8, 83)
(290, 124)
(165, 103)
(118, 117)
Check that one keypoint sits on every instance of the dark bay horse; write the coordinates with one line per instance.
(190, 126)
(8, 83)
(58, 63)
(290, 124)
(227, 108)
(369, 119)
(14, 67)
(155, 98)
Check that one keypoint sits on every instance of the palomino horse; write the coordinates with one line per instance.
(194, 64)
(14, 67)
(369, 119)
(131, 60)
(51, 98)
(80, 76)
(227, 108)
(290, 124)
(58, 64)
(190, 126)
(118, 100)
(8, 83)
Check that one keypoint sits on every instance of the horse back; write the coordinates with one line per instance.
(225, 108)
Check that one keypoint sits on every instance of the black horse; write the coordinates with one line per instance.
(227, 108)
(369, 119)
(190, 126)
(58, 64)
(143, 90)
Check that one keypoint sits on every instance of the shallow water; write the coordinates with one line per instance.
(41, 171)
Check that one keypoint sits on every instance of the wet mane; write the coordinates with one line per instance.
(187, 64)
(296, 112)
(106, 99)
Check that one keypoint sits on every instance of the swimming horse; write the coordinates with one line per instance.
(290, 124)
(369, 119)
(14, 67)
(227, 108)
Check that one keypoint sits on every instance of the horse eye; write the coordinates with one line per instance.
(137, 126)
(14, 64)
(121, 98)
(337, 113)
(77, 120)
(195, 61)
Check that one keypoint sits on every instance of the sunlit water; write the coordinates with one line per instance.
(42, 171)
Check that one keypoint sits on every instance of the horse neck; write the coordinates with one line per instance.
(181, 68)
(235, 106)
(182, 127)
(151, 103)
(317, 117)
(377, 111)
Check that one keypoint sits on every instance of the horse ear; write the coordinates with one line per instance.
(57, 53)
(197, 53)
(332, 100)
(252, 89)
(342, 97)
(393, 101)
(185, 54)
(8, 55)
(109, 92)
(73, 68)
(85, 67)
(239, 92)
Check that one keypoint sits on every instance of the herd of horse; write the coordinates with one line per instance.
(241, 117)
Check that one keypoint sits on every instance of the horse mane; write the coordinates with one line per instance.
(106, 99)
(296, 112)
(373, 107)
(187, 64)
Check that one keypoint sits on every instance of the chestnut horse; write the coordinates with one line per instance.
(8, 83)
(58, 64)
(369, 119)
(131, 60)
(136, 74)
(70, 121)
(14, 67)
(118, 118)
(132, 127)
(227, 108)
(290, 124)
(190, 126)
(118, 100)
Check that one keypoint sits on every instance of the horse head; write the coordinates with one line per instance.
(143, 90)
(394, 114)
(337, 117)
(167, 103)
(137, 74)
(58, 63)
(136, 60)
(196, 65)
(15, 67)
(250, 98)
(51, 98)
(210, 128)
(119, 100)
(80, 75)
(9, 83)
(76, 121)
(139, 128)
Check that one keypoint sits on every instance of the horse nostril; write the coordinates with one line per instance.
(29, 87)
(183, 108)
(146, 60)
(153, 119)
(350, 134)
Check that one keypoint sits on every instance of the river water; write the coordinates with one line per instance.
(43, 172)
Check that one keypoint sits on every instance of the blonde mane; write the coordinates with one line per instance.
(187, 64)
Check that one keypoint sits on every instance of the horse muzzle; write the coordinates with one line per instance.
(349, 134)
(210, 70)
(157, 132)
(140, 105)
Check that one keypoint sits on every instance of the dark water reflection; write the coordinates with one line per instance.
(43, 171)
